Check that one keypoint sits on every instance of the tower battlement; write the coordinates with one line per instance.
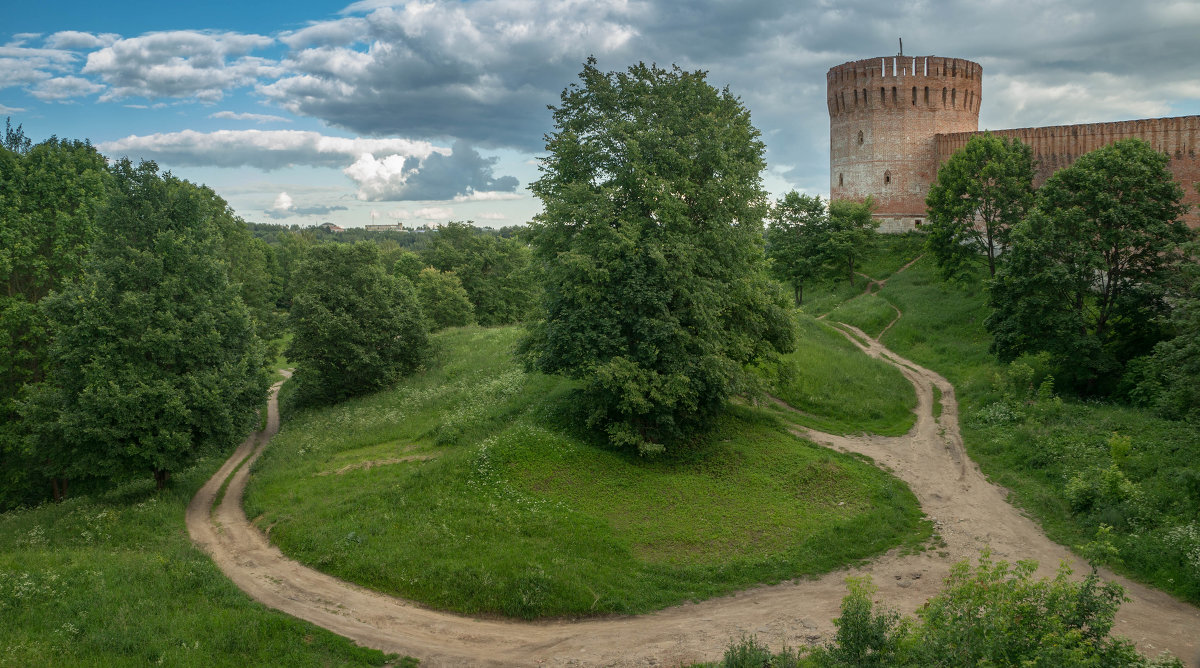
(884, 115)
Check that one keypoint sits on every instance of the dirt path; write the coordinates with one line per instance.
(970, 513)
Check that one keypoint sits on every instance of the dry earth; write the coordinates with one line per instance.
(969, 512)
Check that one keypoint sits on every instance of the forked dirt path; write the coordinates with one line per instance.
(970, 513)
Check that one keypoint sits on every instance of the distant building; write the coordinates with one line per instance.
(330, 227)
(398, 227)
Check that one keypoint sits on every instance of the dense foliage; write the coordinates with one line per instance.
(979, 194)
(155, 359)
(798, 229)
(495, 271)
(1089, 271)
(651, 247)
(49, 196)
(994, 615)
(1168, 380)
(355, 328)
(443, 299)
(852, 234)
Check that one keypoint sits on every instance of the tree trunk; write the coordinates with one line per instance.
(798, 293)
(160, 478)
(59, 487)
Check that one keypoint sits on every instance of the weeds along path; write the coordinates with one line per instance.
(969, 512)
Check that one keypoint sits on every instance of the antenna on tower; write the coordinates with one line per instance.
(901, 45)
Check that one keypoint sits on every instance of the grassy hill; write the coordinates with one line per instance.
(468, 487)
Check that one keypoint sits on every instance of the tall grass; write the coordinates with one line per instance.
(469, 487)
(1057, 455)
(113, 580)
(839, 389)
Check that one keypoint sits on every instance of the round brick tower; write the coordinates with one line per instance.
(884, 114)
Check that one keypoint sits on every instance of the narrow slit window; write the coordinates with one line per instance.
(943, 98)
(860, 137)
(953, 97)
(841, 181)
(882, 95)
(894, 95)
(887, 178)
(927, 95)
(914, 97)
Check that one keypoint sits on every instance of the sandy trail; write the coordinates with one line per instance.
(969, 512)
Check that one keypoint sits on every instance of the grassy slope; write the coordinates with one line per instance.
(517, 515)
(840, 389)
(1037, 448)
(114, 581)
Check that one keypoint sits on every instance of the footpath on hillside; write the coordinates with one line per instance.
(969, 513)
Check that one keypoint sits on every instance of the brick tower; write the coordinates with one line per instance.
(884, 114)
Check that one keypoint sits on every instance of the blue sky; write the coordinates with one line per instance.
(422, 112)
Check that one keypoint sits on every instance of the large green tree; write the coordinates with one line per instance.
(443, 299)
(651, 246)
(49, 197)
(796, 236)
(355, 328)
(978, 195)
(155, 359)
(850, 234)
(1169, 379)
(1087, 271)
(495, 271)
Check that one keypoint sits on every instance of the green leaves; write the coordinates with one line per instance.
(650, 245)
(356, 329)
(979, 195)
(156, 360)
(1088, 271)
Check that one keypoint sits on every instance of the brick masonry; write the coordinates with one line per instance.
(894, 120)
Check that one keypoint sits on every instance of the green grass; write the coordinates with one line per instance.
(512, 512)
(1054, 455)
(839, 389)
(114, 580)
(892, 252)
(869, 313)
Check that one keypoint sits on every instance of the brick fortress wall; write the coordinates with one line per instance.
(894, 120)
(1060, 145)
(884, 116)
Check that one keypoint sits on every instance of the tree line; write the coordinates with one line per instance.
(1094, 270)
(131, 319)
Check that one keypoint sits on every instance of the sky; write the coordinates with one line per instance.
(423, 112)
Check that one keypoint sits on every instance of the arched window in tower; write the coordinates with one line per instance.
(860, 138)
(953, 97)
(887, 177)
(882, 96)
(866, 100)
(943, 97)
(914, 96)
(893, 95)
(927, 95)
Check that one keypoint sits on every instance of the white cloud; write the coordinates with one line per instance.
(378, 178)
(283, 202)
(492, 216)
(486, 196)
(434, 213)
(264, 149)
(63, 88)
(181, 63)
(20, 65)
(399, 214)
(74, 39)
(257, 118)
(10, 110)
